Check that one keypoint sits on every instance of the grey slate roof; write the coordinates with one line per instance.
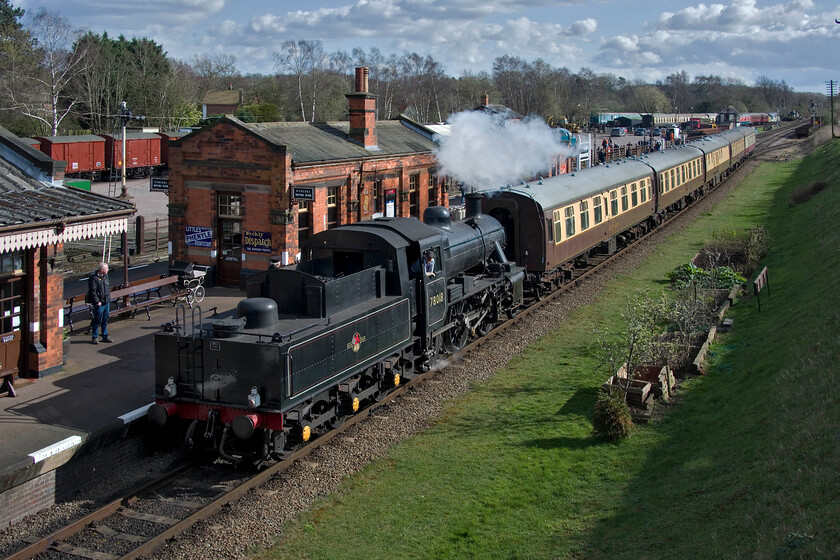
(25, 202)
(309, 143)
(559, 190)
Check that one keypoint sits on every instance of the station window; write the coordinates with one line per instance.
(304, 221)
(432, 190)
(624, 199)
(332, 207)
(597, 210)
(413, 207)
(570, 221)
(230, 205)
(584, 215)
(558, 226)
(634, 195)
(377, 192)
(614, 203)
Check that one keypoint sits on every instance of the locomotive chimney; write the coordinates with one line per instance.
(472, 205)
(362, 109)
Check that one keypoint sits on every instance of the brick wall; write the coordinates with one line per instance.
(97, 458)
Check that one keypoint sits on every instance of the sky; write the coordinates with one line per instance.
(796, 41)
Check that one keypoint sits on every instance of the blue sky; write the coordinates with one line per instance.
(796, 41)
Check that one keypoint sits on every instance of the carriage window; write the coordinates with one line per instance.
(673, 178)
(643, 190)
(614, 203)
(596, 210)
(570, 221)
(634, 195)
(584, 215)
(624, 199)
(558, 226)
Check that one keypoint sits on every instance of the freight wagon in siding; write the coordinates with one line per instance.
(84, 154)
(142, 155)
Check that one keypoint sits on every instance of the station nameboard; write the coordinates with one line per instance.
(160, 184)
(303, 193)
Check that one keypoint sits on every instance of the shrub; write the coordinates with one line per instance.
(686, 275)
(739, 250)
(612, 418)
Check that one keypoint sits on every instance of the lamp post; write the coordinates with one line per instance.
(125, 116)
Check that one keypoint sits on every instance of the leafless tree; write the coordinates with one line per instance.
(39, 89)
(306, 60)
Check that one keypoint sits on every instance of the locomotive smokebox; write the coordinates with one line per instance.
(259, 312)
(472, 204)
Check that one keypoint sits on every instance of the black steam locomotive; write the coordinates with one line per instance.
(370, 304)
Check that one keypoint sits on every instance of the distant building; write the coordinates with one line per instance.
(221, 102)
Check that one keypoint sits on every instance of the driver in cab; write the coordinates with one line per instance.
(424, 265)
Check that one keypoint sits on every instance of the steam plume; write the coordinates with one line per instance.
(484, 151)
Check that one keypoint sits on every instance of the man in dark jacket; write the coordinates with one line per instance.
(99, 298)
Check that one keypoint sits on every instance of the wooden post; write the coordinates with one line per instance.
(760, 281)
(139, 234)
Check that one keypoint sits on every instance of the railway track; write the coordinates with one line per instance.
(147, 518)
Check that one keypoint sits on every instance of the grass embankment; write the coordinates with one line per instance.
(745, 466)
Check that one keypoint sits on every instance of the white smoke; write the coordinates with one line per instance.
(484, 151)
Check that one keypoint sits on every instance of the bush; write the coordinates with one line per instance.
(612, 418)
(740, 250)
(686, 275)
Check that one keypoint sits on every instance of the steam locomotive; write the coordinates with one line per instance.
(310, 345)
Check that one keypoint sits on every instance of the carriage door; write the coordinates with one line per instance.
(230, 238)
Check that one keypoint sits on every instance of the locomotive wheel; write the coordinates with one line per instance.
(484, 328)
(457, 337)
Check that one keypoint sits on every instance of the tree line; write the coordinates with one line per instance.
(55, 79)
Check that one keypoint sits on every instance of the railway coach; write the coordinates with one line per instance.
(554, 225)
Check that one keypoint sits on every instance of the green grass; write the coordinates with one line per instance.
(744, 466)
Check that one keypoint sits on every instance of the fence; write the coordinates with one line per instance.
(144, 238)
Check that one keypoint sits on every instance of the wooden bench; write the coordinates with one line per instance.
(145, 295)
(129, 298)
(76, 304)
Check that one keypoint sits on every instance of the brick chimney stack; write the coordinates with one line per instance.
(362, 105)
(485, 100)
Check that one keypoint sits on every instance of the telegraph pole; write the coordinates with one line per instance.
(831, 91)
(125, 116)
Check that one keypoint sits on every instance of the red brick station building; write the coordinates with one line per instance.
(242, 193)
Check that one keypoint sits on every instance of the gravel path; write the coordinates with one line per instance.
(259, 517)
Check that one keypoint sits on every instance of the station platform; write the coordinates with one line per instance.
(88, 405)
